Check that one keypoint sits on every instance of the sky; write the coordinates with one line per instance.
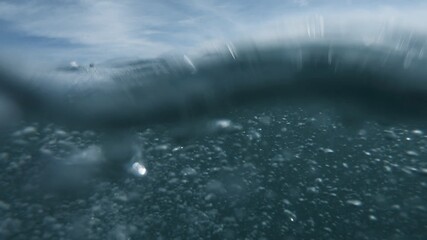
(89, 30)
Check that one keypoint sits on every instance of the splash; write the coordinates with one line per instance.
(383, 78)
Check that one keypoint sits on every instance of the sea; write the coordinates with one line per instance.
(316, 134)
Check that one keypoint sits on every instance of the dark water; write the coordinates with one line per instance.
(281, 173)
(312, 140)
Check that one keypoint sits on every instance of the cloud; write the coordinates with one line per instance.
(114, 28)
(111, 26)
(104, 29)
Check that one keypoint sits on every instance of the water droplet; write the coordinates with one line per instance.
(162, 147)
(74, 64)
(292, 216)
(412, 153)
(177, 148)
(253, 135)
(326, 150)
(138, 169)
(60, 133)
(354, 202)
(189, 171)
(423, 171)
(418, 132)
(188, 60)
(232, 51)
(313, 189)
(390, 135)
(26, 131)
(224, 125)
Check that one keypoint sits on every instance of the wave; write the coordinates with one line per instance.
(386, 79)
